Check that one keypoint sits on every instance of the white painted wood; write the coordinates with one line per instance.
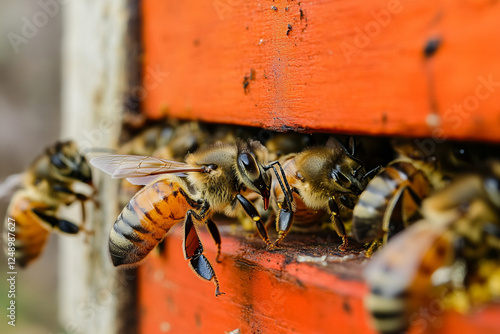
(93, 86)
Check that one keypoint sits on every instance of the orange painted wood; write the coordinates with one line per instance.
(346, 66)
(265, 292)
(271, 292)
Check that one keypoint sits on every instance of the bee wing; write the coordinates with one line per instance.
(399, 260)
(138, 169)
(10, 185)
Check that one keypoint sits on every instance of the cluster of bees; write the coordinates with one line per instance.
(434, 213)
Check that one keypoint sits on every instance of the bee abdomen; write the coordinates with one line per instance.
(304, 216)
(130, 241)
(31, 234)
(388, 313)
(144, 222)
(369, 212)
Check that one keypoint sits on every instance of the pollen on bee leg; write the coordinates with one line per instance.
(256, 219)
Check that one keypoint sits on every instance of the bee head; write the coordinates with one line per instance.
(331, 171)
(347, 174)
(250, 170)
(68, 163)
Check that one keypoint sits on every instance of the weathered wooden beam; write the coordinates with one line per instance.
(97, 49)
(307, 286)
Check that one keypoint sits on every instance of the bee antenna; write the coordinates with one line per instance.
(357, 170)
(288, 193)
(372, 172)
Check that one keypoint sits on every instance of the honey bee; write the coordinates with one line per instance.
(278, 145)
(392, 199)
(448, 251)
(390, 202)
(219, 175)
(323, 180)
(46, 186)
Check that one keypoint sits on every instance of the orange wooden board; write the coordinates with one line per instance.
(265, 292)
(346, 66)
(271, 292)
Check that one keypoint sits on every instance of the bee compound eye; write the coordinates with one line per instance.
(57, 161)
(212, 167)
(340, 178)
(249, 165)
(300, 176)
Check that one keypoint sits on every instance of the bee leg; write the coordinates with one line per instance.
(193, 251)
(87, 232)
(214, 232)
(254, 214)
(82, 199)
(408, 218)
(374, 245)
(61, 224)
(393, 223)
(93, 197)
(283, 224)
(369, 175)
(270, 220)
(63, 189)
(285, 186)
(338, 225)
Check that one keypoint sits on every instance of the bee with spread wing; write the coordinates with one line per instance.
(220, 176)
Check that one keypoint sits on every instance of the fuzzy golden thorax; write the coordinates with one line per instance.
(63, 163)
(327, 172)
(61, 166)
(231, 169)
(219, 186)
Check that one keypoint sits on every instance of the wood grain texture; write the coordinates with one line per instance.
(93, 295)
(264, 292)
(344, 67)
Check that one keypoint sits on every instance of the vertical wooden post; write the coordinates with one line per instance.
(95, 81)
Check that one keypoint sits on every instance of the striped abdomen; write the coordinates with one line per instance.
(386, 203)
(305, 216)
(400, 278)
(146, 219)
(31, 232)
